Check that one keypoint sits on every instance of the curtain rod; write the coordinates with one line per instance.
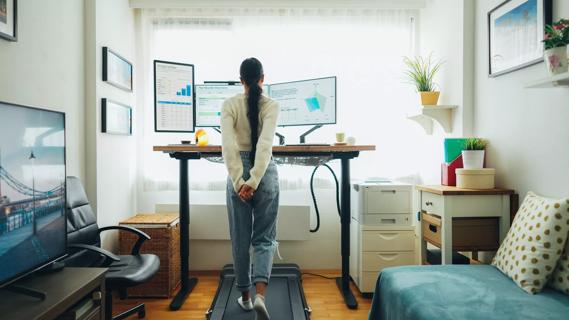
(343, 4)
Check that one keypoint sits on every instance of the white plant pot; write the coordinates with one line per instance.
(473, 159)
(556, 60)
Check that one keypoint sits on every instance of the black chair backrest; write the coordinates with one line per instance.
(82, 225)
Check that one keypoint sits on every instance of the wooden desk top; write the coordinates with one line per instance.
(276, 149)
(454, 191)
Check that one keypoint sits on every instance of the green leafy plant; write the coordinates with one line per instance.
(557, 34)
(475, 144)
(421, 72)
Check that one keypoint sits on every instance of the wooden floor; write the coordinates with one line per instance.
(322, 296)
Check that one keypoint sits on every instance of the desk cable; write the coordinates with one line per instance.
(314, 197)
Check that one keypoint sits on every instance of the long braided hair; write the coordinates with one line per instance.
(251, 71)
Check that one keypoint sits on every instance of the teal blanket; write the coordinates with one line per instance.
(460, 292)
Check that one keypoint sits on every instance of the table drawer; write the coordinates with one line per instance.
(431, 226)
(387, 240)
(468, 234)
(432, 203)
(377, 261)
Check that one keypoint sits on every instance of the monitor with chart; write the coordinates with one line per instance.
(306, 102)
(174, 97)
(209, 100)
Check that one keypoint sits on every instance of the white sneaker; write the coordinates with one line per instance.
(245, 305)
(260, 309)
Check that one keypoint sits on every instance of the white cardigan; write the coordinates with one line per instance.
(236, 137)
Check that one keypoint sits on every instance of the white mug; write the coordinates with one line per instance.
(351, 141)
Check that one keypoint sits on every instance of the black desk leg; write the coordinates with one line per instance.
(188, 283)
(344, 282)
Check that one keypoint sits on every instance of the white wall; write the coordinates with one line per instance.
(446, 32)
(111, 160)
(528, 128)
(45, 67)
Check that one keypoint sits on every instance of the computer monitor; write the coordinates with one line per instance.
(210, 98)
(174, 97)
(306, 102)
(32, 190)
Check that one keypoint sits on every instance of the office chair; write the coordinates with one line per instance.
(84, 246)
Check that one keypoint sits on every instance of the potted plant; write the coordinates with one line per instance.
(421, 72)
(556, 39)
(473, 153)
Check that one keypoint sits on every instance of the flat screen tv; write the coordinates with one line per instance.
(32, 190)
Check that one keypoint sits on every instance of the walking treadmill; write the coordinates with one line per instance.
(284, 296)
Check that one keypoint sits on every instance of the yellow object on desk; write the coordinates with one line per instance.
(201, 138)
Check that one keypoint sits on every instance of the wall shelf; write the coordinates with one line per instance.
(560, 80)
(429, 114)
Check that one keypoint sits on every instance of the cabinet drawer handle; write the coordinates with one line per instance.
(387, 236)
(388, 256)
(388, 191)
(428, 203)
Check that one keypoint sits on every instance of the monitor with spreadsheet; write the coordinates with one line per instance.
(306, 102)
(209, 100)
(174, 97)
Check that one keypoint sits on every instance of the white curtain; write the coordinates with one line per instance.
(363, 48)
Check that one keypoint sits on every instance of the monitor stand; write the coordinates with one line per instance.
(281, 138)
(218, 129)
(303, 136)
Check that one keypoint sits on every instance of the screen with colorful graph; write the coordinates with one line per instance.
(306, 102)
(174, 97)
(32, 189)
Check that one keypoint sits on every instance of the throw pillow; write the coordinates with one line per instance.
(534, 243)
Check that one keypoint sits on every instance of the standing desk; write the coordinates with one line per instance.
(344, 153)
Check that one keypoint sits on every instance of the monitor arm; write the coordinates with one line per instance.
(281, 138)
(303, 136)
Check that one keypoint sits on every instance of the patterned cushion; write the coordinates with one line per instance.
(534, 243)
(560, 277)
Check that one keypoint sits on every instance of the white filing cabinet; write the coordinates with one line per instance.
(381, 233)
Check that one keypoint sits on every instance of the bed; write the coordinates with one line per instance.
(460, 292)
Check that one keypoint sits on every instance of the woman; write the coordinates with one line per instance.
(248, 124)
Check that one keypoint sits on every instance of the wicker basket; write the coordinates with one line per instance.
(164, 231)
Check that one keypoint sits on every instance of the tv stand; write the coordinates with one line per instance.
(40, 295)
(303, 136)
(62, 293)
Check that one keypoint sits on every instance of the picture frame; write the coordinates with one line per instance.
(515, 33)
(116, 117)
(9, 20)
(117, 70)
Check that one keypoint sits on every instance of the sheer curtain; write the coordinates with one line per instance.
(363, 48)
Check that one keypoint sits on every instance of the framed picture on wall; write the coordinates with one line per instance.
(116, 70)
(515, 34)
(117, 117)
(8, 19)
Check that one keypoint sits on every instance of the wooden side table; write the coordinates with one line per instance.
(452, 202)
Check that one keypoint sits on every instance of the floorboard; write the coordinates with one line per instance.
(322, 296)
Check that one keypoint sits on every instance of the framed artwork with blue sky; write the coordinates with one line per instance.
(515, 34)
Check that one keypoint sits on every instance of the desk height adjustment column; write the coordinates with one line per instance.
(344, 281)
(188, 283)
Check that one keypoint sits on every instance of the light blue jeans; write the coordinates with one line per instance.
(254, 223)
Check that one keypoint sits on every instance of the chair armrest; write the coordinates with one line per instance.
(141, 236)
(109, 256)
